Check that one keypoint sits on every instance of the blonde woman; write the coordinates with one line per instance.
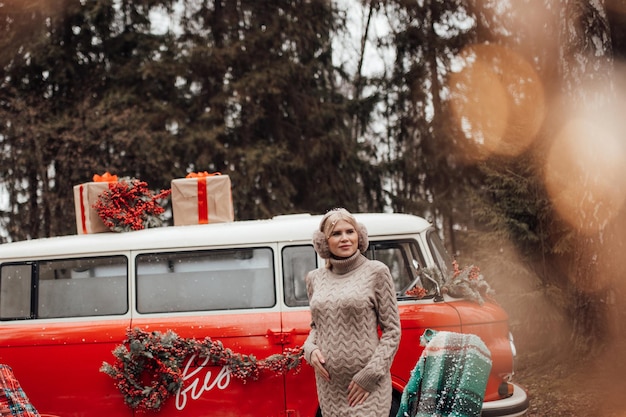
(351, 297)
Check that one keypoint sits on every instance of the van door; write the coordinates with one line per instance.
(405, 259)
(229, 296)
(300, 390)
(59, 319)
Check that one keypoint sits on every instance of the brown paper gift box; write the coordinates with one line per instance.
(202, 199)
(85, 196)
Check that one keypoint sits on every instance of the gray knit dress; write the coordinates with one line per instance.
(348, 303)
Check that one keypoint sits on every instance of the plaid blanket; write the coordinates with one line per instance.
(13, 400)
(450, 377)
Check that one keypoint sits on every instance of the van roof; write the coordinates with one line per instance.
(292, 227)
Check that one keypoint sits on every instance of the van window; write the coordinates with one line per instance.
(440, 254)
(402, 257)
(15, 291)
(205, 280)
(78, 287)
(297, 262)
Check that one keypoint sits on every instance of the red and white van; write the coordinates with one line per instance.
(66, 303)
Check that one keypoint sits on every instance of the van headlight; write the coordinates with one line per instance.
(506, 378)
(506, 387)
(513, 352)
(512, 343)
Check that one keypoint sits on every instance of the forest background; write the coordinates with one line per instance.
(501, 122)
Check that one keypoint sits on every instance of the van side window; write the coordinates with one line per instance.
(16, 283)
(205, 280)
(297, 262)
(403, 257)
(79, 287)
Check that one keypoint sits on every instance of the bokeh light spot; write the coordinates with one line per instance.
(497, 100)
(585, 174)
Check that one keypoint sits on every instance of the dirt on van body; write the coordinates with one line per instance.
(574, 386)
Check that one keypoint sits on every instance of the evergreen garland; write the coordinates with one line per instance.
(148, 366)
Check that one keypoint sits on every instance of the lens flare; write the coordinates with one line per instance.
(497, 100)
(585, 174)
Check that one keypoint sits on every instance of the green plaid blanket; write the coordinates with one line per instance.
(450, 377)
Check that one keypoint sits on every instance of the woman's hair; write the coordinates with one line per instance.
(327, 225)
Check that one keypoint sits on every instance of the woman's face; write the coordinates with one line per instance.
(344, 240)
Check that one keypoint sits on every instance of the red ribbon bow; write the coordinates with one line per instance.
(203, 208)
(106, 177)
(202, 174)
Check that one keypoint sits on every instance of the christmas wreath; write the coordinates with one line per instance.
(128, 204)
(148, 366)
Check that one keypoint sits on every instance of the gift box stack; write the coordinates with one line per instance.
(199, 198)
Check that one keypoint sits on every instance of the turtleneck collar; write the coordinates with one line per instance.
(345, 265)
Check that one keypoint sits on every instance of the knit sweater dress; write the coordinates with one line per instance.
(348, 304)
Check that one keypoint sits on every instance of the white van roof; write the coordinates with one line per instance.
(293, 227)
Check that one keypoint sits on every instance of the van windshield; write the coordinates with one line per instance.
(442, 258)
(403, 258)
(406, 263)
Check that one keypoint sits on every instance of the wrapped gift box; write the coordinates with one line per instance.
(201, 199)
(85, 196)
(87, 219)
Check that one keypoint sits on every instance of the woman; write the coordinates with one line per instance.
(350, 298)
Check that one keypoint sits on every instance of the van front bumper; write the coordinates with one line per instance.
(513, 406)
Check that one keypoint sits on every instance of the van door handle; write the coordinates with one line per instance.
(279, 337)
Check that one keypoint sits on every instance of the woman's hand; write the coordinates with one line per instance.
(356, 394)
(318, 361)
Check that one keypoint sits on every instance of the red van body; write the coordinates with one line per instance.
(58, 327)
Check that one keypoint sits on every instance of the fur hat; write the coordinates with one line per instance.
(327, 225)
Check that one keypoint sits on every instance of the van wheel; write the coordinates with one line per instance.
(395, 403)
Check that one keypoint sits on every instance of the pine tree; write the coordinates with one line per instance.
(426, 173)
(263, 106)
(80, 95)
